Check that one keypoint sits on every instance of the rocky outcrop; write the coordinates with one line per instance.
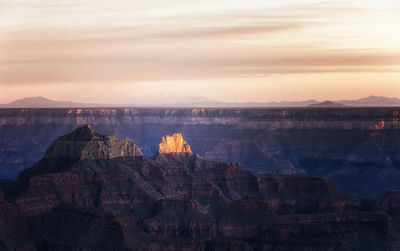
(182, 201)
(84, 143)
(357, 148)
(353, 147)
(173, 144)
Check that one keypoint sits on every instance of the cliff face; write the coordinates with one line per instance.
(357, 148)
(173, 144)
(182, 201)
(84, 143)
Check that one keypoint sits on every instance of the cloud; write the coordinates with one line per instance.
(117, 46)
(222, 32)
(148, 64)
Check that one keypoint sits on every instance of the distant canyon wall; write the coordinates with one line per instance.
(354, 147)
(245, 118)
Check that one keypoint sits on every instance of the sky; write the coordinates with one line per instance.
(168, 51)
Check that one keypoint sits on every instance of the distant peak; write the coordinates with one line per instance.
(174, 144)
(84, 143)
(327, 103)
(377, 97)
(84, 133)
(35, 98)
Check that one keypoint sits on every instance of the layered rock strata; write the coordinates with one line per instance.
(357, 148)
(173, 144)
(181, 201)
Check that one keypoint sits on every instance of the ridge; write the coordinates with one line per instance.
(85, 143)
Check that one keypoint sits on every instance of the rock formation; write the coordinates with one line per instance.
(84, 143)
(173, 144)
(181, 201)
(342, 145)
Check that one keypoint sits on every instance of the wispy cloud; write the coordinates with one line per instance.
(134, 41)
(145, 64)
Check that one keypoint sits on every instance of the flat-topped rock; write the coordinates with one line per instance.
(174, 144)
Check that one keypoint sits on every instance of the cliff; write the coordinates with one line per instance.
(180, 200)
(84, 143)
(173, 144)
(357, 148)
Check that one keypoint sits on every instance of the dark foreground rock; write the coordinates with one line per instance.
(119, 200)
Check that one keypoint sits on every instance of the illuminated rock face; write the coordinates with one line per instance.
(174, 144)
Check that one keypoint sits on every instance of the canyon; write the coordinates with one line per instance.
(356, 148)
(93, 192)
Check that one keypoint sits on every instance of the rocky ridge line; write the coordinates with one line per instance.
(84, 143)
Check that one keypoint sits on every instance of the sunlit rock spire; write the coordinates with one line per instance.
(173, 144)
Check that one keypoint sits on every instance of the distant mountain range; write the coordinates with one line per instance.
(41, 102)
(371, 101)
(327, 104)
(244, 104)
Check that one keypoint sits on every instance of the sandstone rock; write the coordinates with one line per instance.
(181, 201)
(341, 145)
(173, 144)
(84, 143)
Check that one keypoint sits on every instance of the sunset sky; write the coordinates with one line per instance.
(161, 51)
